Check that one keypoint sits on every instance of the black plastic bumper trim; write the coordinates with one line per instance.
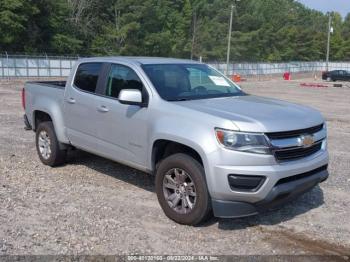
(279, 195)
(232, 209)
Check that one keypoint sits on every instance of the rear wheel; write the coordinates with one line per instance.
(47, 145)
(182, 191)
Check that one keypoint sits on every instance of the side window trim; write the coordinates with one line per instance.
(103, 79)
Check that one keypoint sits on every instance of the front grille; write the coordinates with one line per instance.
(296, 153)
(294, 133)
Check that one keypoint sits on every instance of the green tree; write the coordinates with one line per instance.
(269, 30)
(14, 18)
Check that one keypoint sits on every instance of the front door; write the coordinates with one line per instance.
(122, 130)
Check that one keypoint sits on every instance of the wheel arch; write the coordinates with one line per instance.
(164, 147)
(41, 114)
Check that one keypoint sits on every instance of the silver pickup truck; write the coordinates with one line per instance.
(213, 148)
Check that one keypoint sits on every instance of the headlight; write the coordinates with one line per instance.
(244, 142)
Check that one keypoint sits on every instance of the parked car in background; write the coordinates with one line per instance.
(336, 75)
(212, 147)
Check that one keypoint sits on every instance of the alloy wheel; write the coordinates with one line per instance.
(179, 190)
(44, 144)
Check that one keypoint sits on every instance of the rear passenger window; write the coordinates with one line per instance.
(122, 77)
(87, 76)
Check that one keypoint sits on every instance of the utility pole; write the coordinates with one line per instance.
(194, 21)
(328, 40)
(229, 41)
(233, 6)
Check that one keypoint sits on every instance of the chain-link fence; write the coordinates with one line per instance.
(35, 66)
(260, 69)
(59, 66)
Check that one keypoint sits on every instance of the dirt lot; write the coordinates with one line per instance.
(95, 206)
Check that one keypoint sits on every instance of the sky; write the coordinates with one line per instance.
(341, 6)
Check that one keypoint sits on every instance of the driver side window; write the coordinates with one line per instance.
(122, 77)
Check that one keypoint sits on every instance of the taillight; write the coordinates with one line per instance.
(23, 99)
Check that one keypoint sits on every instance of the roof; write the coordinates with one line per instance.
(141, 60)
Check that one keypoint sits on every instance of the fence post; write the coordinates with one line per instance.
(8, 66)
(15, 66)
(27, 66)
(48, 65)
(2, 67)
(60, 67)
(37, 67)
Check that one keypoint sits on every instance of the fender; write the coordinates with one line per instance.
(191, 135)
(53, 109)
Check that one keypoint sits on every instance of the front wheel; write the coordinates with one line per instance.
(182, 191)
(47, 145)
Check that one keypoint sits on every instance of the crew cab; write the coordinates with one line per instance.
(213, 148)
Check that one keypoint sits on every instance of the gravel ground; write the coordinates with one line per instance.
(96, 206)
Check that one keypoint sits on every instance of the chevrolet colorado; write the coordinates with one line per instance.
(213, 148)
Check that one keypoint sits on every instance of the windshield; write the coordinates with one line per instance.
(177, 82)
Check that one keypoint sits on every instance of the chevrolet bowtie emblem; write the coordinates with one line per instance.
(306, 140)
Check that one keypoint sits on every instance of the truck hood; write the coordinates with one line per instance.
(258, 114)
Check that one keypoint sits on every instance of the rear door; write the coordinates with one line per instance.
(334, 75)
(347, 77)
(341, 75)
(344, 75)
(122, 130)
(80, 106)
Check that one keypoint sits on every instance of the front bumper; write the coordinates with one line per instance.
(284, 191)
(222, 165)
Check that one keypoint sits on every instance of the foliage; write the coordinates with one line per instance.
(269, 30)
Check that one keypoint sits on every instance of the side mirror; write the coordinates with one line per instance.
(131, 97)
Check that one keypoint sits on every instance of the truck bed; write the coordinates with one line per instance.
(54, 84)
(42, 96)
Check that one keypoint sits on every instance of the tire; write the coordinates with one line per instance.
(47, 145)
(329, 79)
(185, 166)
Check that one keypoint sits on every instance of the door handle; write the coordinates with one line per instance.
(71, 100)
(103, 109)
